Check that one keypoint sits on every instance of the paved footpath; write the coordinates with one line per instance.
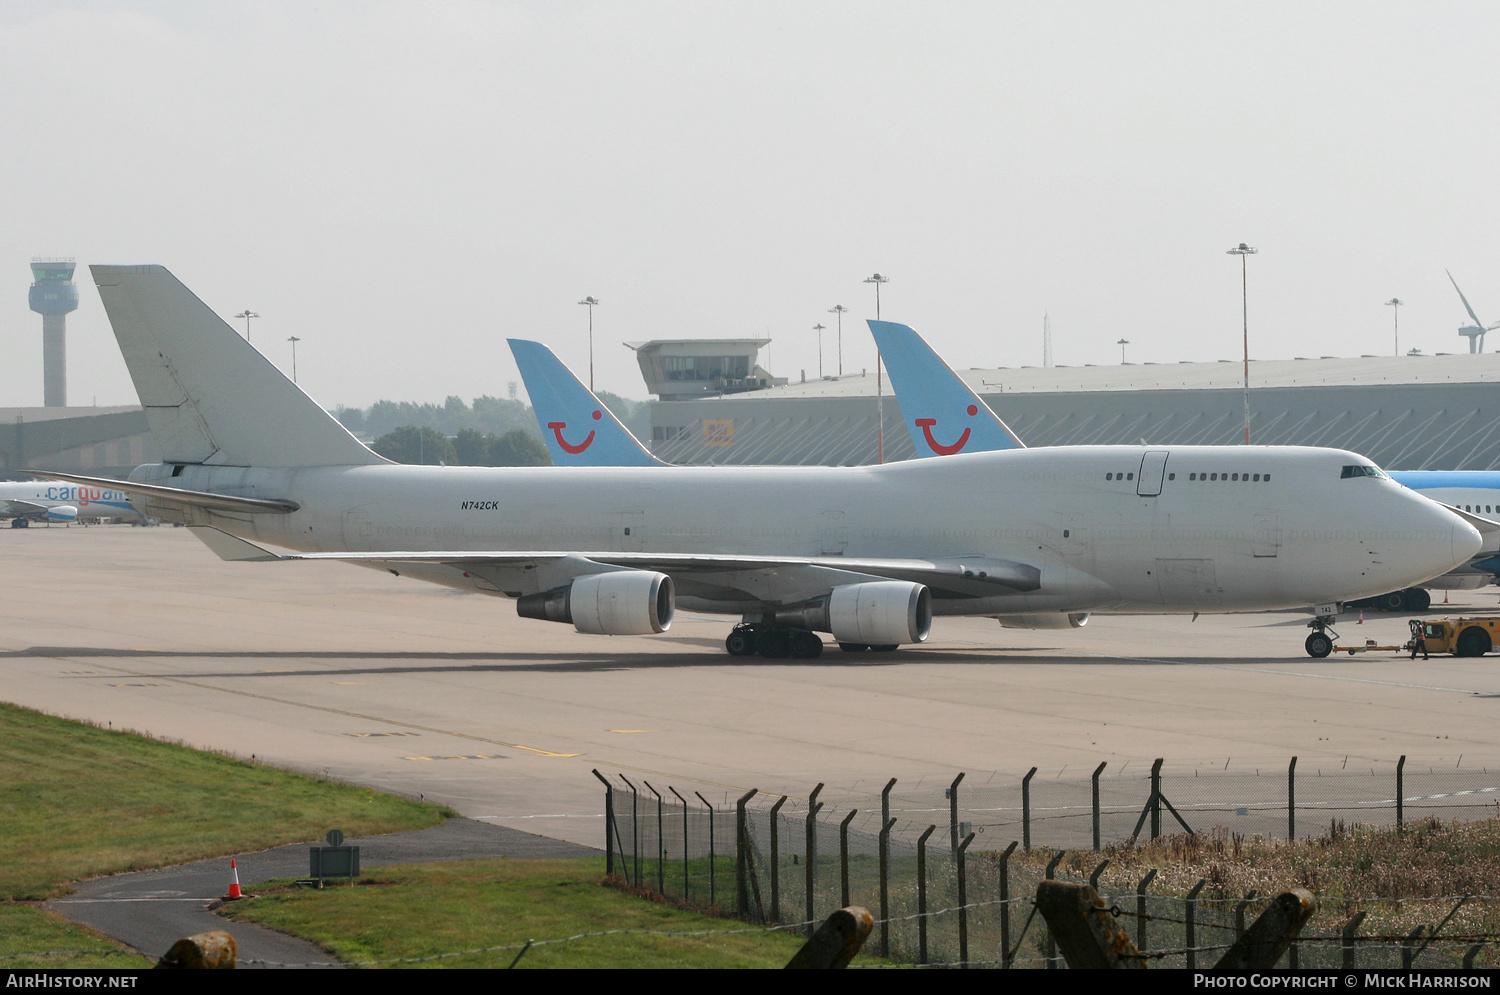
(151, 910)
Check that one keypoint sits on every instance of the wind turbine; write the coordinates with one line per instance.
(1476, 331)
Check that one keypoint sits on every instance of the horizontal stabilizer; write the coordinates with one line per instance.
(195, 499)
(232, 548)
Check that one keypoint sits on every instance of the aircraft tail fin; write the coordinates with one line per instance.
(209, 396)
(578, 428)
(942, 414)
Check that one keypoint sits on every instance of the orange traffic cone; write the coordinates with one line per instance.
(1361, 618)
(234, 886)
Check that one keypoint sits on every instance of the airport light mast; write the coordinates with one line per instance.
(1122, 344)
(839, 310)
(819, 329)
(247, 314)
(293, 339)
(1242, 250)
(53, 296)
(589, 302)
(1395, 305)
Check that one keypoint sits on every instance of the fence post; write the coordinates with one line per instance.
(635, 830)
(1005, 951)
(1407, 956)
(885, 905)
(1401, 794)
(813, 808)
(1051, 939)
(844, 856)
(1239, 914)
(742, 858)
(713, 857)
(953, 812)
(1026, 809)
(1291, 800)
(886, 823)
(1155, 802)
(922, 894)
(609, 822)
(776, 860)
(1097, 771)
(686, 886)
(661, 850)
(1094, 877)
(963, 902)
(1190, 934)
(1260, 947)
(1140, 909)
(1348, 938)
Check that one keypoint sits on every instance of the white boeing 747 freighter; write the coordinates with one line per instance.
(1035, 537)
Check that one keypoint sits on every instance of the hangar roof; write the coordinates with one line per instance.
(1323, 372)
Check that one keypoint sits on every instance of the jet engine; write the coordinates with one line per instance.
(62, 513)
(619, 603)
(1045, 620)
(880, 613)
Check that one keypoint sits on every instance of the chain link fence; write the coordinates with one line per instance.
(939, 876)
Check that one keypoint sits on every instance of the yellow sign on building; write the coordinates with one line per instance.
(718, 432)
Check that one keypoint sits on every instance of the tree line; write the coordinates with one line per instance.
(493, 431)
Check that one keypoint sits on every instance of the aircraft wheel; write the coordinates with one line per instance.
(740, 642)
(806, 645)
(884, 649)
(19, 523)
(1415, 599)
(774, 643)
(1319, 645)
(1473, 641)
(1393, 602)
(854, 647)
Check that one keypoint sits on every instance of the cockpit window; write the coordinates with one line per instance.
(1362, 471)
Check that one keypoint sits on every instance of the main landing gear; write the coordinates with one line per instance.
(775, 642)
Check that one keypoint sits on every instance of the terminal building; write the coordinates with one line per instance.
(1437, 412)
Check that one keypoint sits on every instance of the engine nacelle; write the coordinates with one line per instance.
(619, 603)
(62, 513)
(1045, 620)
(880, 613)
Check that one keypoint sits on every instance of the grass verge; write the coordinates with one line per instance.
(78, 801)
(424, 910)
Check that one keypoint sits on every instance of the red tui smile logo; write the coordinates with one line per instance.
(925, 424)
(568, 447)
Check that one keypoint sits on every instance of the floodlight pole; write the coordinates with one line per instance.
(1395, 305)
(839, 310)
(877, 279)
(294, 340)
(1122, 344)
(590, 302)
(1242, 250)
(247, 314)
(819, 329)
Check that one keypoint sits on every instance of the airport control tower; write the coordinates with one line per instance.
(52, 296)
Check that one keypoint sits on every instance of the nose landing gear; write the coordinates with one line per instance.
(1320, 643)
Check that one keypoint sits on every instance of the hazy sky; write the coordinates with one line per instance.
(404, 185)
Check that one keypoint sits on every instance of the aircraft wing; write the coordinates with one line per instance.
(960, 577)
(14, 506)
(196, 499)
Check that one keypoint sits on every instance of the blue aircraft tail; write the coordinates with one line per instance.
(578, 428)
(943, 415)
